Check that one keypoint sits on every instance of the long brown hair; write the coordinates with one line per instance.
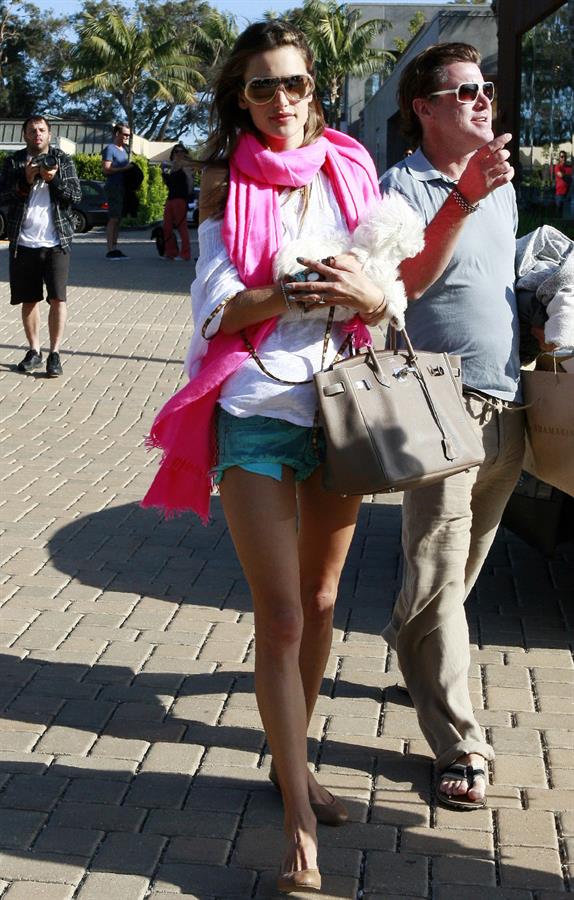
(227, 119)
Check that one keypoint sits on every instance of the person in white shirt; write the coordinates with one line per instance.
(40, 185)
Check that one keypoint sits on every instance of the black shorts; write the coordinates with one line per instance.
(33, 267)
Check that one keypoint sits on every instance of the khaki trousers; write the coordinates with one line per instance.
(447, 531)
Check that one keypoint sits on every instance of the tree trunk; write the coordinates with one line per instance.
(155, 124)
(166, 121)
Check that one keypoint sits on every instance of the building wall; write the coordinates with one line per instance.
(399, 15)
(380, 125)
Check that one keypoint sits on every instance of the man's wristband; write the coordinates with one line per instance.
(463, 202)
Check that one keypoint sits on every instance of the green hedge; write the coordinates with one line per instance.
(89, 166)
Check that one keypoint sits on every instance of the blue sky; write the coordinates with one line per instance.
(244, 10)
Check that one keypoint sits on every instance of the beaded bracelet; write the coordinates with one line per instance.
(463, 202)
(285, 295)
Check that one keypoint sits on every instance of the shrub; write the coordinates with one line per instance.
(152, 192)
(142, 214)
(157, 194)
(89, 165)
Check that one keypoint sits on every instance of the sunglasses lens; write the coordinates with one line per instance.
(261, 90)
(467, 93)
(297, 87)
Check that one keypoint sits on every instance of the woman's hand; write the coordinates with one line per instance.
(345, 284)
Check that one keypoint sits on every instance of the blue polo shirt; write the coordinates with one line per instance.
(118, 157)
(471, 309)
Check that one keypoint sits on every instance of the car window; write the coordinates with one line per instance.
(88, 190)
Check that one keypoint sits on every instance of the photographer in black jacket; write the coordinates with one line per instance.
(40, 185)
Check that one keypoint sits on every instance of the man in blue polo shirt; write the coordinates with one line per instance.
(115, 162)
(461, 289)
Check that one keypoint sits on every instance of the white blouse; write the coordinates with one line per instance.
(294, 348)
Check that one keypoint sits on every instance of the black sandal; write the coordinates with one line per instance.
(460, 772)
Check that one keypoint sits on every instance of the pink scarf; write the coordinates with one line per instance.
(183, 428)
(252, 222)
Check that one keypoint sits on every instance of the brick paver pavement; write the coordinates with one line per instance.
(132, 762)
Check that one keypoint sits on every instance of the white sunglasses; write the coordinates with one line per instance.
(468, 91)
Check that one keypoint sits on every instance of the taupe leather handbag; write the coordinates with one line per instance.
(394, 420)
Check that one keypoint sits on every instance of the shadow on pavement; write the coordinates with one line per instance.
(143, 271)
(126, 781)
(128, 549)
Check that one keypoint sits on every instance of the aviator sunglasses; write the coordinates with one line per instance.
(468, 91)
(263, 90)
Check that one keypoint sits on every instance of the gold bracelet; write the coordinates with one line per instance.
(463, 202)
(213, 314)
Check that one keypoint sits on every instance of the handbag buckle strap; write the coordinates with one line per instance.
(403, 371)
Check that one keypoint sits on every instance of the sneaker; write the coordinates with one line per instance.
(53, 365)
(32, 360)
(115, 254)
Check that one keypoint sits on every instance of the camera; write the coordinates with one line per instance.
(44, 161)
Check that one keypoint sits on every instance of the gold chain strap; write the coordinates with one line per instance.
(329, 327)
(213, 314)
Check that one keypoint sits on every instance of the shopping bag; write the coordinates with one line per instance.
(549, 397)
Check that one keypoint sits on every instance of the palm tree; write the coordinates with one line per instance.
(342, 47)
(215, 37)
(209, 35)
(126, 59)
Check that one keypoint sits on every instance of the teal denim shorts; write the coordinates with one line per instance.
(263, 445)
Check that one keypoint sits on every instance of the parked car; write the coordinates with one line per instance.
(92, 209)
(193, 209)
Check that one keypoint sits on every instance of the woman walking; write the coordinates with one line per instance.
(273, 173)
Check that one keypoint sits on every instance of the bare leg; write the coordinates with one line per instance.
(262, 518)
(112, 231)
(327, 525)
(31, 323)
(56, 322)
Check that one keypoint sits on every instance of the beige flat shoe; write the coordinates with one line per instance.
(304, 880)
(332, 813)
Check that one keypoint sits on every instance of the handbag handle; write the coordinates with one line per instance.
(393, 341)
